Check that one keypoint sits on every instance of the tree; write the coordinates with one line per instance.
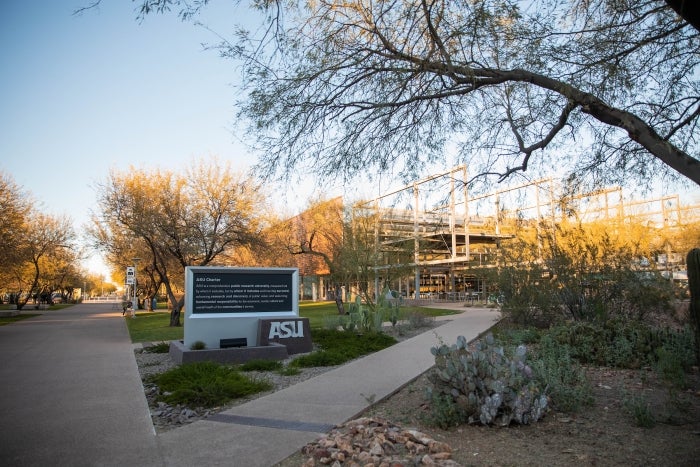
(589, 270)
(44, 240)
(172, 221)
(15, 206)
(314, 239)
(606, 89)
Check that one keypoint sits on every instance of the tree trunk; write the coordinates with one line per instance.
(693, 265)
(177, 305)
(689, 10)
(339, 300)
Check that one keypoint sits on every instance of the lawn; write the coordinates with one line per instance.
(154, 326)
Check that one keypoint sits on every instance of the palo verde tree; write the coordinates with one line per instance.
(604, 89)
(176, 220)
(511, 84)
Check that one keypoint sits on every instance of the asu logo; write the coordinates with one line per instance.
(286, 329)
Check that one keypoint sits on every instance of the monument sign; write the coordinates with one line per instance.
(223, 305)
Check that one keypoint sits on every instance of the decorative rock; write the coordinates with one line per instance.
(376, 442)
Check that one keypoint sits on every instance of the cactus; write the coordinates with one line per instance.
(693, 265)
(485, 384)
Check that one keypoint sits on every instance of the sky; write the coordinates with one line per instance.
(83, 94)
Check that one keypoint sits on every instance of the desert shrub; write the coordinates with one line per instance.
(517, 335)
(623, 344)
(669, 366)
(486, 383)
(640, 410)
(160, 347)
(206, 384)
(565, 379)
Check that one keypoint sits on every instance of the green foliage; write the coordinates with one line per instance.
(11, 319)
(564, 378)
(337, 347)
(160, 347)
(153, 327)
(517, 335)
(640, 410)
(206, 384)
(198, 345)
(444, 412)
(289, 371)
(363, 317)
(623, 344)
(670, 366)
(261, 365)
(487, 383)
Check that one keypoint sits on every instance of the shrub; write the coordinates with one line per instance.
(623, 344)
(485, 384)
(639, 408)
(160, 347)
(206, 384)
(198, 345)
(564, 378)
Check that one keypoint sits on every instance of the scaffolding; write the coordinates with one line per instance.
(448, 238)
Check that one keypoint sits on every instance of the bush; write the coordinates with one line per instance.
(198, 345)
(623, 344)
(564, 378)
(639, 408)
(160, 347)
(206, 384)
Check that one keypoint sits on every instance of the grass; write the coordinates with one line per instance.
(206, 384)
(155, 326)
(11, 319)
(152, 326)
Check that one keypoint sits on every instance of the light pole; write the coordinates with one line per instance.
(135, 301)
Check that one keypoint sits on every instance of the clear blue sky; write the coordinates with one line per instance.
(83, 94)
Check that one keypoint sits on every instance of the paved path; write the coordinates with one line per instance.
(71, 395)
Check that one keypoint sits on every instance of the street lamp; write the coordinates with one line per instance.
(135, 301)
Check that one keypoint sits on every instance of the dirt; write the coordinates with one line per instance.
(605, 433)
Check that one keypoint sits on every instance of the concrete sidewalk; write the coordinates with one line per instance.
(71, 392)
(84, 404)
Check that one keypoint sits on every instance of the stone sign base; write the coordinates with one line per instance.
(181, 354)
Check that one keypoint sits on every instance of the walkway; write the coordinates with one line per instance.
(72, 396)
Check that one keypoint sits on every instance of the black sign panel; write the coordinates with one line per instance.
(241, 292)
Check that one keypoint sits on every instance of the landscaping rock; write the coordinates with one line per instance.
(372, 441)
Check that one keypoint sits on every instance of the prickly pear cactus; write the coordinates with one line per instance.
(487, 386)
